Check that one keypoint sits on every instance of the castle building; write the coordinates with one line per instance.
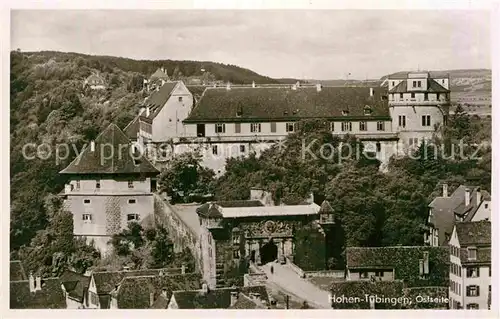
(235, 233)
(109, 186)
(466, 203)
(419, 104)
(470, 269)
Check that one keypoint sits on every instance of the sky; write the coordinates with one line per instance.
(315, 44)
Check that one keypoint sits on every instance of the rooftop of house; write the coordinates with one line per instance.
(405, 260)
(160, 73)
(50, 296)
(221, 298)
(111, 155)
(75, 284)
(431, 74)
(254, 209)
(444, 208)
(132, 128)
(474, 233)
(137, 292)
(94, 78)
(157, 100)
(432, 87)
(240, 104)
(17, 272)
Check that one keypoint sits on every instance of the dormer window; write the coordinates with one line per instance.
(345, 112)
(239, 112)
(472, 253)
(368, 110)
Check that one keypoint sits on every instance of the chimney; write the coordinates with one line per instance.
(147, 111)
(183, 269)
(38, 283)
(253, 84)
(318, 87)
(31, 282)
(445, 190)
(92, 146)
(151, 299)
(478, 196)
(371, 92)
(234, 297)
(467, 197)
(228, 86)
(162, 82)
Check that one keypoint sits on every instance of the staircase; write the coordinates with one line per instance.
(219, 275)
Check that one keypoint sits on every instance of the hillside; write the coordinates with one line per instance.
(220, 72)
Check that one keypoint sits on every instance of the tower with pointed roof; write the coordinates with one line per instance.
(110, 184)
(418, 104)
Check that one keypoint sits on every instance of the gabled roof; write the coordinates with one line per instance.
(49, 297)
(474, 233)
(95, 78)
(159, 74)
(111, 156)
(17, 271)
(404, 260)
(245, 302)
(326, 208)
(443, 210)
(135, 292)
(284, 103)
(218, 298)
(157, 100)
(75, 284)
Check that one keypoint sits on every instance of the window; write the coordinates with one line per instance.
(220, 128)
(363, 274)
(242, 148)
(362, 126)
(379, 274)
(87, 217)
(414, 83)
(131, 201)
(471, 253)
(426, 120)
(379, 147)
(255, 127)
(130, 184)
(412, 95)
(180, 98)
(86, 201)
(392, 83)
(380, 126)
(290, 127)
(200, 130)
(332, 126)
(489, 273)
(273, 127)
(98, 184)
(402, 121)
(236, 239)
(401, 96)
(132, 217)
(438, 96)
(486, 205)
(472, 306)
(78, 185)
(472, 272)
(215, 150)
(237, 128)
(472, 291)
(419, 84)
(209, 252)
(236, 254)
(346, 126)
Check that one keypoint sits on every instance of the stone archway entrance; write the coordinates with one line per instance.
(268, 252)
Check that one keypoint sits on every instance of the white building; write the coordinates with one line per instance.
(467, 203)
(470, 266)
(419, 104)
